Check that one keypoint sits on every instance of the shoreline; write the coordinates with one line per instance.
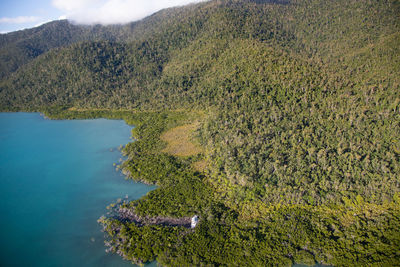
(181, 191)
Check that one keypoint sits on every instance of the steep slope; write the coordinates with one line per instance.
(20, 47)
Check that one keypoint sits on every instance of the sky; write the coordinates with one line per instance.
(21, 14)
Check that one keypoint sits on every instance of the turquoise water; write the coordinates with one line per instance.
(56, 178)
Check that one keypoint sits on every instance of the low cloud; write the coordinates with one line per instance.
(74, 5)
(19, 20)
(49, 20)
(113, 11)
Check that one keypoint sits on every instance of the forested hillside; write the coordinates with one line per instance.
(18, 48)
(300, 124)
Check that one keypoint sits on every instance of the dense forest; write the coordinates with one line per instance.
(298, 107)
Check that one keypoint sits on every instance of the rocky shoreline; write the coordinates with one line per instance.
(125, 214)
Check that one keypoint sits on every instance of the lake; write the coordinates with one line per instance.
(56, 179)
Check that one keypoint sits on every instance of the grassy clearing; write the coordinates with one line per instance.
(200, 166)
(180, 140)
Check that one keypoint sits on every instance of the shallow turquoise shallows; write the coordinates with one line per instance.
(56, 178)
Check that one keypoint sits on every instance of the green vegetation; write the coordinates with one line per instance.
(348, 232)
(180, 140)
(300, 158)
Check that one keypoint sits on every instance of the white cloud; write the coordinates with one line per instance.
(19, 20)
(41, 23)
(73, 5)
(113, 11)
(49, 20)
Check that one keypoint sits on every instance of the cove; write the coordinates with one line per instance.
(56, 179)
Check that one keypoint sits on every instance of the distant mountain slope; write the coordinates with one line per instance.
(328, 34)
(20, 47)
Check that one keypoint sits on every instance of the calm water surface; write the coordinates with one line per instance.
(56, 178)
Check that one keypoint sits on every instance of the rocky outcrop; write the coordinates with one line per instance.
(129, 215)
